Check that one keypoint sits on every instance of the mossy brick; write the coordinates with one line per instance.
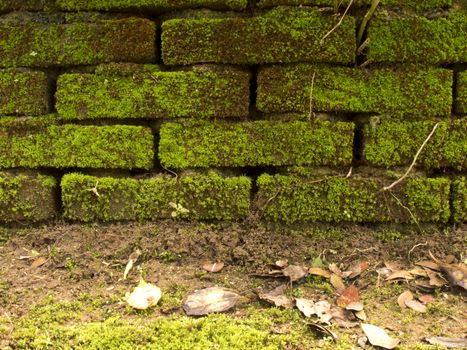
(412, 91)
(206, 195)
(191, 144)
(388, 144)
(41, 142)
(26, 197)
(152, 5)
(199, 92)
(23, 92)
(23, 5)
(327, 198)
(34, 44)
(281, 35)
(461, 100)
(459, 201)
(440, 40)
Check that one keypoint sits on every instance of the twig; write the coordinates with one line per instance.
(408, 209)
(363, 46)
(338, 23)
(365, 20)
(349, 174)
(415, 246)
(366, 63)
(311, 96)
(170, 171)
(94, 189)
(414, 160)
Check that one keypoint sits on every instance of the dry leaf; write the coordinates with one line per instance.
(306, 306)
(419, 272)
(213, 267)
(355, 306)
(424, 286)
(356, 269)
(323, 311)
(334, 269)
(343, 318)
(392, 265)
(400, 275)
(318, 271)
(349, 295)
(456, 274)
(429, 264)
(209, 300)
(323, 329)
(436, 280)
(361, 315)
(405, 296)
(384, 271)
(277, 297)
(281, 263)
(426, 298)
(144, 296)
(337, 283)
(378, 336)
(361, 341)
(38, 262)
(450, 259)
(295, 272)
(415, 305)
(450, 343)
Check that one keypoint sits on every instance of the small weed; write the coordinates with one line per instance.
(167, 256)
(388, 236)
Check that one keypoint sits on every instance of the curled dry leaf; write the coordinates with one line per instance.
(213, 267)
(277, 297)
(436, 280)
(209, 300)
(419, 272)
(348, 295)
(378, 336)
(295, 272)
(323, 330)
(456, 274)
(318, 271)
(145, 295)
(355, 306)
(361, 315)
(450, 343)
(38, 262)
(281, 263)
(400, 275)
(337, 283)
(426, 299)
(429, 264)
(405, 296)
(306, 306)
(415, 305)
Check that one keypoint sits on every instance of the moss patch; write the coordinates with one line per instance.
(40, 142)
(459, 202)
(413, 91)
(28, 42)
(200, 92)
(389, 144)
(331, 198)
(23, 5)
(26, 197)
(281, 35)
(206, 196)
(23, 92)
(461, 101)
(221, 144)
(419, 39)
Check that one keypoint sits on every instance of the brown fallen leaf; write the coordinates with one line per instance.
(38, 262)
(456, 274)
(355, 306)
(277, 297)
(213, 267)
(392, 265)
(323, 311)
(361, 315)
(450, 259)
(417, 271)
(378, 336)
(450, 343)
(356, 269)
(343, 318)
(337, 282)
(323, 329)
(400, 275)
(306, 306)
(348, 295)
(426, 299)
(415, 305)
(281, 263)
(318, 271)
(295, 272)
(429, 264)
(405, 296)
(335, 270)
(435, 279)
(209, 300)
(424, 286)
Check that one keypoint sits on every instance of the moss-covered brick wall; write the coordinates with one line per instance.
(27, 197)
(281, 35)
(192, 195)
(199, 92)
(410, 91)
(282, 111)
(23, 92)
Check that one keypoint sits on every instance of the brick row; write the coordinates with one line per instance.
(461, 101)
(459, 201)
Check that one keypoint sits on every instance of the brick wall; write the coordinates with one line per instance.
(115, 110)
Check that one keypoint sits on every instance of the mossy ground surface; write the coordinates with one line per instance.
(76, 298)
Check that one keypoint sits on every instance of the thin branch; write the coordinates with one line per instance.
(415, 246)
(414, 160)
(338, 23)
(365, 20)
(311, 95)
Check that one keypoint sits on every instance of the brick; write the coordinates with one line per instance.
(221, 144)
(413, 91)
(23, 5)
(23, 92)
(26, 197)
(30, 42)
(281, 35)
(199, 92)
(42, 142)
(419, 39)
(206, 196)
(334, 198)
(152, 5)
(389, 144)
(461, 89)
(459, 202)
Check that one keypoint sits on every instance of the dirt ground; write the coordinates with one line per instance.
(65, 263)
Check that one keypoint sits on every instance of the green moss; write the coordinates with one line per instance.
(419, 39)
(41, 142)
(27, 42)
(459, 202)
(208, 196)
(389, 144)
(411, 91)
(23, 92)
(281, 35)
(154, 5)
(218, 144)
(22, 5)
(461, 101)
(26, 197)
(291, 198)
(200, 92)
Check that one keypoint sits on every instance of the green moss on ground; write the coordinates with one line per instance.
(206, 196)
(412, 91)
(461, 100)
(26, 197)
(333, 198)
(23, 92)
(419, 39)
(389, 144)
(200, 92)
(459, 201)
(154, 5)
(40, 142)
(27, 42)
(281, 35)
(221, 144)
